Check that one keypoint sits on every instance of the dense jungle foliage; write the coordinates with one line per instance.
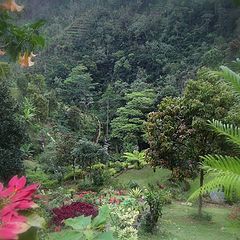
(100, 62)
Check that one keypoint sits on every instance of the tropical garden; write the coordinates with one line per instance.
(119, 119)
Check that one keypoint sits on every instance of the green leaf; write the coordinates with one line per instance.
(39, 40)
(38, 24)
(89, 234)
(226, 172)
(230, 131)
(79, 223)
(66, 235)
(101, 219)
(4, 69)
(34, 220)
(231, 77)
(32, 234)
(105, 236)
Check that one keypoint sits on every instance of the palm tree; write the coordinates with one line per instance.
(224, 169)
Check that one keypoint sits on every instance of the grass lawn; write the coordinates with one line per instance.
(177, 222)
(144, 176)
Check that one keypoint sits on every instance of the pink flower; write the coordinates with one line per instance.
(12, 225)
(16, 197)
(11, 230)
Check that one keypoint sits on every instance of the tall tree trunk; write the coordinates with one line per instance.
(98, 130)
(107, 123)
(107, 129)
(200, 196)
(74, 170)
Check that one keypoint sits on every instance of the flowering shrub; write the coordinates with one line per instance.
(86, 193)
(111, 196)
(87, 196)
(73, 210)
(13, 200)
(104, 197)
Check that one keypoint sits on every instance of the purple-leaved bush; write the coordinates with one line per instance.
(76, 209)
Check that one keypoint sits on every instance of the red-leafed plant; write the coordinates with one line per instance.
(73, 210)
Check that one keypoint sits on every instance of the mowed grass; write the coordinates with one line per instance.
(144, 176)
(177, 222)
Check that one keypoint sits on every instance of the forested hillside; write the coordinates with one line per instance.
(100, 53)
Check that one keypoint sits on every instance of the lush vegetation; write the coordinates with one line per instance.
(116, 113)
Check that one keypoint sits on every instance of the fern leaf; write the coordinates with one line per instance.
(4, 69)
(221, 164)
(230, 131)
(228, 183)
(231, 77)
(226, 172)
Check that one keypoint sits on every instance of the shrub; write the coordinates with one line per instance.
(78, 174)
(155, 200)
(40, 176)
(124, 219)
(132, 184)
(73, 210)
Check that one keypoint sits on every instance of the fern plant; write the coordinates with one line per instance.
(4, 69)
(224, 169)
(29, 111)
(136, 157)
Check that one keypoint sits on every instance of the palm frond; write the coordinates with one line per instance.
(235, 65)
(232, 78)
(226, 172)
(4, 69)
(229, 183)
(221, 164)
(229, 130)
